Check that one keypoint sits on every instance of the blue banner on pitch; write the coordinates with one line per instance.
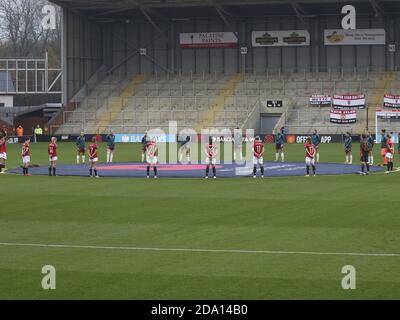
(137, 138)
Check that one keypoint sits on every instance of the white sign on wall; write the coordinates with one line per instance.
(208, 40)
(283, 38)
(340, 37)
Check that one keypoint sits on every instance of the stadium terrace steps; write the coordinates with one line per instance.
(218, 104)
(117, 105)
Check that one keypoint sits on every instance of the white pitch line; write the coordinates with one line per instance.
(270, 252)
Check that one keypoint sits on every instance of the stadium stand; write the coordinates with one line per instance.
(137, 103)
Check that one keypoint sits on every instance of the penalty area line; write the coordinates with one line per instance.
(232, 251)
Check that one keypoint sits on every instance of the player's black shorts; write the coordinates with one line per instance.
(111, 148)
(364, 156)
(279, 146)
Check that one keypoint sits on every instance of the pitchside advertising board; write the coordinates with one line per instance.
(341, 37)
(390, 101)
(283, 38)
(320, 100)
(349, 101)
(137, 138)
(208, 40)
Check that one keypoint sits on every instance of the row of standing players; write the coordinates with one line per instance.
(150, 151)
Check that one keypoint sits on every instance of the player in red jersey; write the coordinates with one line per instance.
(93, 158)
(52, 152)
(3, 153)
(211, 151)
(258, 158)
(310, 157)
(389, 153)
(26, 156)
(151, 157)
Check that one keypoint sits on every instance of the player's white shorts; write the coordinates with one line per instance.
(259, 161)
(212, 161)
(310, 161)
(389, 155)
(94, 160)
(26, 159)
(152, 160)
(53, 158)
(185, 149)
(3, 155)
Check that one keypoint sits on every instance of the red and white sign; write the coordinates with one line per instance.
(320, 100)
(349, 101)
(390, 101)
(393, 114)
(343, 116)
(208, 40)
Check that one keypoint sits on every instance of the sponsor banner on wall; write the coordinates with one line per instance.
(208, 40)
(343, 116)
(349, 101)
(320, 100)
(284, 38)
(137, 138)
(341, 37)
(390, 101)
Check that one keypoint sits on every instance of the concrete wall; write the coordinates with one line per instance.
(7, 101)
(82, 50)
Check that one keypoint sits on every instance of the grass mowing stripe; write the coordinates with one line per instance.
(66, 246)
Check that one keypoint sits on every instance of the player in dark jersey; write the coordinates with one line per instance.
(383, 146)
(211, 152)
(316, 140)
(185, 150)
(237, 145)
(145, 140)
(52, 152)
(348, 144)
(389, 153)
(310, 157)
(371, 143)
(3, 153)
(258, 157)
(81, 148)
(364, 153)
(93, 158)
(26, 157)
(110, 139)
(280, 139)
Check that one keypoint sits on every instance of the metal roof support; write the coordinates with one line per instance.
(379, 12)
(222, 12)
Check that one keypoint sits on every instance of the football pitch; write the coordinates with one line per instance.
(238, 238)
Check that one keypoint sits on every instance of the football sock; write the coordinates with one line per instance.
(367, 167)
(50, 171)
(277, 156)
(207, 170)
(77, 159)
(90, 172)
(180, 157)
(351, 159)
(148, 170)
(308, 170)
(317, 157)
(254, 170)
(362, 167)
(95, 172)
(108, 157)
(54, 171)
(142, 157)
(214, 171)
(372, 160)
(83, 159)
(283, 156)
(314, 169)
(262, 170)
(155, 171)
(188, 159)
(111, 157)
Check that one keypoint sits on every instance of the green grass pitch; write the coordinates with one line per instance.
(332, 214)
